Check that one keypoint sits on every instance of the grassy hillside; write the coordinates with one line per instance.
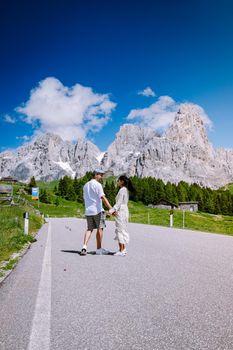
(48, 185)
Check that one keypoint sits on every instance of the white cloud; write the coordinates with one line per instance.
(159, 115)
(147, 92)
(24, 138)
(70, 112)
(9, 119)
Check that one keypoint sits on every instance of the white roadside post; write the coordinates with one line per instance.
(183, 218)
(171, 218)
(26, 222)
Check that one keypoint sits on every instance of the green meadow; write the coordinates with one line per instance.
(188, 220)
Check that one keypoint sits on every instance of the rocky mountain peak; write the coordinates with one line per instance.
(188, 127)
(133, 136)
(48, 138)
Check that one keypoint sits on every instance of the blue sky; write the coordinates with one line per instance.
(87, 61)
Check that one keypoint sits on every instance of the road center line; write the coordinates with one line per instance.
(40, 332)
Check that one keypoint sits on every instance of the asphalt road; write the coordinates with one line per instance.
(173, 291)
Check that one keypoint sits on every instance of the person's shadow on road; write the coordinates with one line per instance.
(79, 252)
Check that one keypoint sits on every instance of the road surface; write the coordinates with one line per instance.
(173, 291)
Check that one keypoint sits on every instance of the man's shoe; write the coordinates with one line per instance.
(123, 253)
(83, 251)
(102, 251)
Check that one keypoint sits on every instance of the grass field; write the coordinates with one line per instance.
(12, 237)
(194, 221)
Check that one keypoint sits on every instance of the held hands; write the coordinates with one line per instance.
(108, 214)
(112, 212)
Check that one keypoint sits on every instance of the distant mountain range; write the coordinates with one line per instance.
(182, 153)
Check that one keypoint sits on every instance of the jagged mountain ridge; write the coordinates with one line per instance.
(182, 153)
(48, 157)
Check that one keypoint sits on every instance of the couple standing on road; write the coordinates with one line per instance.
(94, 197)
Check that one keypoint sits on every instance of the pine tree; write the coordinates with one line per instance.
(138, 193)
(193, 192)
(32, 183)
(69, 189)
(152, 195)
(209, 205)
(110, 191)
(77, 184)
(57, 201)
(44, 196)
(61, 188)
(174, 194)
(225, 203)
(217, 204)
(169, 192)
(160, 189)
(146, 191)
(55, 190)
(182, 193)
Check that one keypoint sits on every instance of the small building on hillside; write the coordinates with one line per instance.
(188, 206)
(164, 204)
(8, 179)
(108, 173)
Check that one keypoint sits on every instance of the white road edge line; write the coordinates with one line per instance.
(40, 332)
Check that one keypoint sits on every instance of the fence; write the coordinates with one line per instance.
(6, 195)
(168, 219)
(177, 219)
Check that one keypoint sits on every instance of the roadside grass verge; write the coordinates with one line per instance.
(12, 237)
(10, 265)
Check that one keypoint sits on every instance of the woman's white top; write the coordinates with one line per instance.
(122, 199)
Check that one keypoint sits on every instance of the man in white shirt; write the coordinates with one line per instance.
(93, 195)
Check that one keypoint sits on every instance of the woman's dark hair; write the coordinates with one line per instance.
(127, 183)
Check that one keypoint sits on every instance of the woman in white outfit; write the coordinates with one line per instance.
(121, 213)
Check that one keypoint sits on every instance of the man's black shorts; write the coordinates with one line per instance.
(95, 221)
